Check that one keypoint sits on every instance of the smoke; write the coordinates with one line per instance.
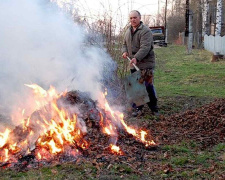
(41, 44)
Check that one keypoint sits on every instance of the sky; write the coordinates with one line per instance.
(144, 6)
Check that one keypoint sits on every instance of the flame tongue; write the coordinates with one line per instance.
(4, 137)
(57, 130)
(116, 149)
(117, 121)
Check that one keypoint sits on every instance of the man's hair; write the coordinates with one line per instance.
(136, 12)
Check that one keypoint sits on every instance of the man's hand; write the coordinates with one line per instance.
(133, 61)
(125, 54)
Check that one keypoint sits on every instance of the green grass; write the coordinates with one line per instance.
(176, 148)
(178, 73)
(122, 168)
(219, 147)
(203, 158)
(189, 162)
(179, 161)
(64, 171)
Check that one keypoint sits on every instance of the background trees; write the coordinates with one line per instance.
(106, 29)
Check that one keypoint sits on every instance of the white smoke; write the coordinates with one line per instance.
(40, 44)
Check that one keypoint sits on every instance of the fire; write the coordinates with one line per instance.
(116, 149)
(53, 147)
(4, 137)
(13, 147)
(39, 155)
(6, 155)
(110, 130)
(56, 130)
(117, 119)
(61, 131)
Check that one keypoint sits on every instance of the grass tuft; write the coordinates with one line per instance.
(219, 147)
(179, 161)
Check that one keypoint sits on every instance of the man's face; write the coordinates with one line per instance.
(134, 19)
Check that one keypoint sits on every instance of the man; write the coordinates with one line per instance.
(138, 45)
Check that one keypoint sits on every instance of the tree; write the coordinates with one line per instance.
(218, 18)
(176, 19)
(205, 17)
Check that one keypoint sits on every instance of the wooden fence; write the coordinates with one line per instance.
(215, 44)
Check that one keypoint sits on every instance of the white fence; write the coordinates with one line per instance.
(215, 44)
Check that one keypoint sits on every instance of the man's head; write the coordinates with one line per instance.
(135, 18)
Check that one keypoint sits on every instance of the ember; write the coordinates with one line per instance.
(59, 128)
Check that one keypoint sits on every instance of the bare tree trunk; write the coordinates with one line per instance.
(158, 14)
(199, 25)
(172, 7)
(205, 16)
(187, 18)
(190, 35)
(218, 18)
(216, 56)
(166, 30)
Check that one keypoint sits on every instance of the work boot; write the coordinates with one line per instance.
(137, 113)
(156, 115)
(154, 110)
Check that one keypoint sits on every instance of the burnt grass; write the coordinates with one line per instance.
(190, 136)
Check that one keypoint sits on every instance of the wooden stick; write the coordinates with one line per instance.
(133, 64)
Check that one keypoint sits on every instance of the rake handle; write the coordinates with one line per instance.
(133, 64)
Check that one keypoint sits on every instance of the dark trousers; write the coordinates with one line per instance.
(152, 97)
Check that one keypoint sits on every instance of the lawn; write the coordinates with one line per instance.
(180, 74)
(184, 81)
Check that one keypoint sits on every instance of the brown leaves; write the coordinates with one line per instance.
(205, 125)
(167, 168)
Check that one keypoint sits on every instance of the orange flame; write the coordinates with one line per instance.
(60, 128)
(53, 147)
(117, 118)
(39, 155)
(37, 89)
(116, 149)
(6, 155)
(4, 137)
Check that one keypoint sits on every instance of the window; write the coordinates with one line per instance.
(156, 31)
